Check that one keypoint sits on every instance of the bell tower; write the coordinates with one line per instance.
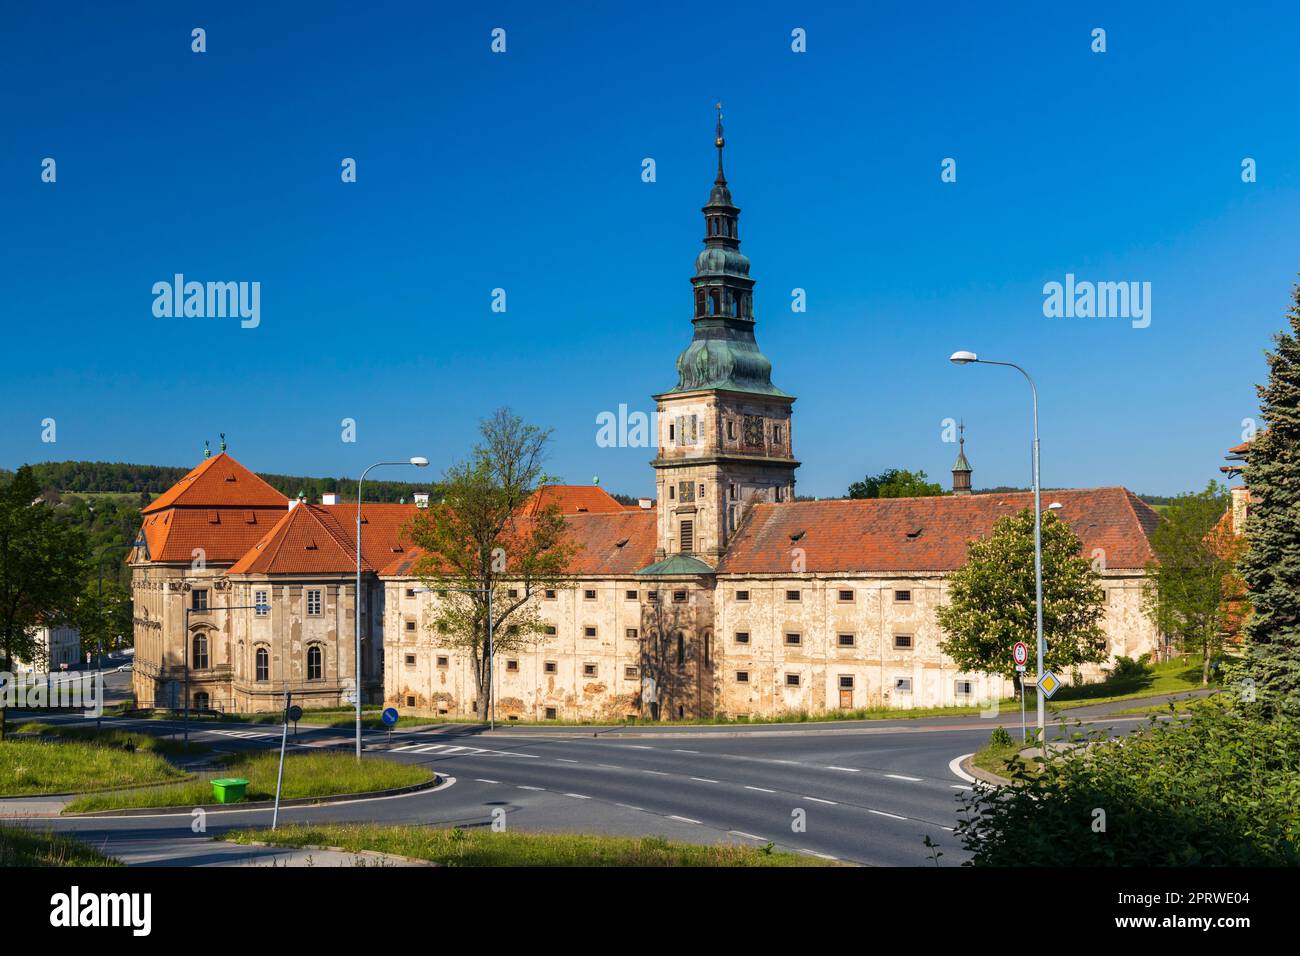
(724, 429)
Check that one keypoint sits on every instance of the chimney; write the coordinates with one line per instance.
(421, 499)
(646, 503)
(329, 498)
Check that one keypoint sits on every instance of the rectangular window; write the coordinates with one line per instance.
(902, 597)
(742, 595)
(551, 713)
(629, 595)
(742, 677)
(903, 685)
(780, 494)
(631, 672)
(512, 666)
(791, 680)
(410, 625)
(652, 597)
(410, 701)
(550, 594)
(679, 597)
(792, 595)
(199, 599)
(965, 688)
(410, 660)
(687, 536)
(742, 637)
(731, 432)
(410, 592)
(263, 604)
(313, 600)
(550, 630)
(588, 631)
(903, 642)
(442, 660)
(847, 640)
(589, 594)
(846, 682)
(630, 633)
(550, 667)
(778, 434)
(588, 670)
(512, 592)
(793, 639)
(846, 596)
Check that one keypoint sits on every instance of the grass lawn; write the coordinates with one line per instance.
(305, 775)
(1171, 677)
(31, 767)
(482, 847)
(324, 717)
(21, 847)
(122, 739)
(993, 756)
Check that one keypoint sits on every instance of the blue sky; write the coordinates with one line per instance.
(522, 171)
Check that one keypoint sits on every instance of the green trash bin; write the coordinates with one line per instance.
(229, 789)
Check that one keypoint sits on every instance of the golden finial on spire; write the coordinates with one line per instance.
(720, 142)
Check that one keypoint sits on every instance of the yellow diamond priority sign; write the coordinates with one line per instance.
(1048, 684)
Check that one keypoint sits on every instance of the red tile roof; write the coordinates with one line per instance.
(926, 534)
(218, 482)
(224, 534)
(575, 499)
(321, 539)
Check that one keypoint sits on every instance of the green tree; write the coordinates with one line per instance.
(486, 534)
(1271, 565)
(991, 602)
(1187, 582)
(41, 570)
(895, 483)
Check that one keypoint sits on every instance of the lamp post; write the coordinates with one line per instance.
(969, 358)
(356, 612)
(188, 610)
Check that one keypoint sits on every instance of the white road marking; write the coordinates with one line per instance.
(820, 800)
(899, 776)
(685, 751)
(793, 763)
(628, 806)
(748, 836)
(955, 766)
(845, 769)
(684, 819)
(609, 766)
(703, 780)
(565, 760)
(398, 750)
(760, 789)
(824, 856)
(481, 780)
(962, 786)
(522, 787)
(638, 746)
(882, 813)
(657, 773)
(578, 796)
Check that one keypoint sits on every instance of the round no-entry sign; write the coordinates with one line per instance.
(1021, 652)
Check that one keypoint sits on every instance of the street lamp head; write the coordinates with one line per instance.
(963, 358)
(420, 462)
(1054, 506)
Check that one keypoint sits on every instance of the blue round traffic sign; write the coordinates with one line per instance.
(389, 716)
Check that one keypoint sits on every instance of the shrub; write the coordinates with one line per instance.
(1127, 669)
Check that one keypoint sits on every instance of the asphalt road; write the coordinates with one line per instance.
(866, 792)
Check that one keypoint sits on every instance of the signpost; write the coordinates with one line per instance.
(1021, 654)
(291, 712)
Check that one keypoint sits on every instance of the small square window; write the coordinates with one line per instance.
(791, 680)
(442, 660)
(588, 632)
(742, 677)
(588, 670)
(550, 594)
(742, 637)
(679, 597)
(903, 685)
(551, 713)
(846, 596)
(410, 660)
(410, 625)
(902, 597)
(550, 667)
(629, 595)
(792, 595)
(410, 701)
(589, 594)
(512, 665)
(631, 672)
(630, 633)
(847, 640)
(410, 592)
(846, 682)
(903, 642)
(965, 688)
(512, 592)
(550, 630)
(742, 595)
(793, 639)
(652, 597)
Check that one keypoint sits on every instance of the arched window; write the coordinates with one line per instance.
(263, 665)
(202, 701)
(199, 654)
(314, 669)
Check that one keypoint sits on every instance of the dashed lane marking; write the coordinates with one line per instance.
(673, 816)
(523, 787)
(882, 813)
(628, 806)
(749, 836)
(962, 786)
(899, 776)
(481, 780)
(820, 800)
(578, 796)
(760, 789)
(703, 780)
(845, 769)
(685, 751)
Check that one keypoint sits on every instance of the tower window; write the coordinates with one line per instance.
(778, 433)
(687, 536)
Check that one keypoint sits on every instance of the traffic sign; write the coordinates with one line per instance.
(295, 713)
(1021, 653)
(1048, 684)
(1020, 668)
(389, 716)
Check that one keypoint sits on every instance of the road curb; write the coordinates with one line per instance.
(984, 776)
(369, 854)
(433, 784)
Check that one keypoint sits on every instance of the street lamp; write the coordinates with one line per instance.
(968, 358)
(418, 462)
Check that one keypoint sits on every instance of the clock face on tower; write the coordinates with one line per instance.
(752, 431)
